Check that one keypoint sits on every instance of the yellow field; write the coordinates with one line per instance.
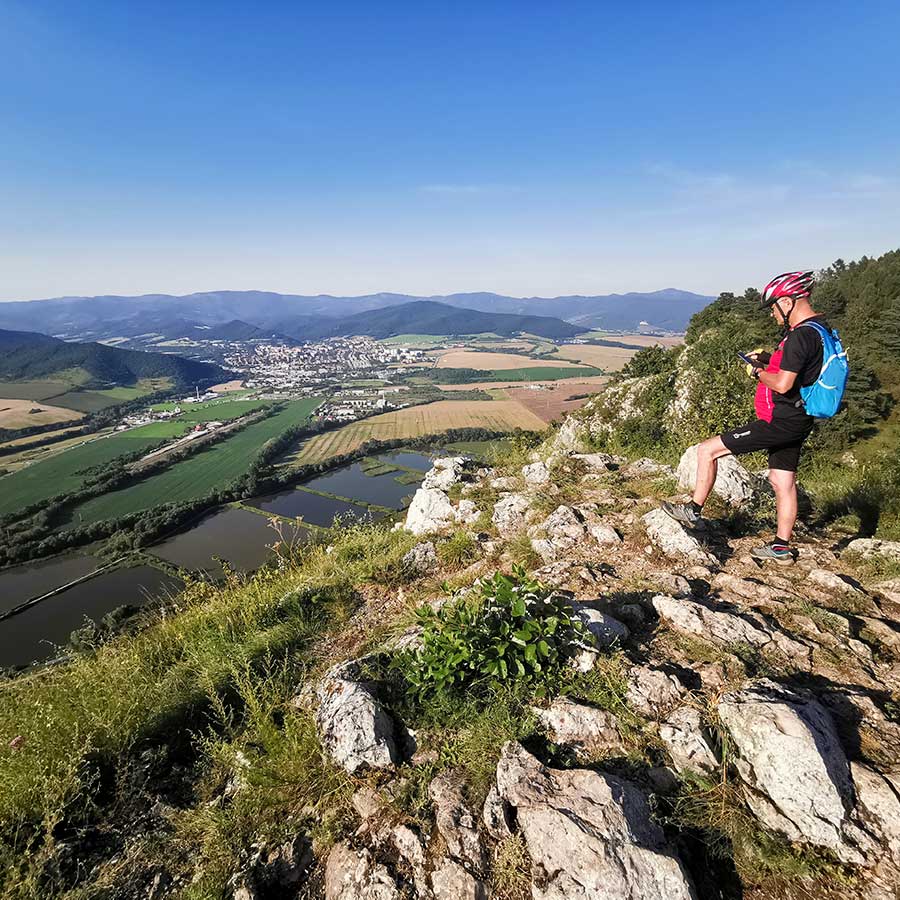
(16, 414)
(469, 359)
(226, 386)
(642, 340)
(431, 418)
(593, 381)
(609, 358)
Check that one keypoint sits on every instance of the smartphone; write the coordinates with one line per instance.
(749, 360)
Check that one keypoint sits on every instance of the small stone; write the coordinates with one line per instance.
(536, 474)
(653, 692)
(421, 559)
(733, 482)
(604, 534)
(495, 815)
(467, 513)
(587, 730)
(606, 630)
(689, 748)
(509, 514)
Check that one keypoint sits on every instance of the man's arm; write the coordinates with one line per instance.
(780, 382)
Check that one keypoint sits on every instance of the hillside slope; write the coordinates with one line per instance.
(29, 355)
(428, 317)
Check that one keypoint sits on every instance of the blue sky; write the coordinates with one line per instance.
(524, 148)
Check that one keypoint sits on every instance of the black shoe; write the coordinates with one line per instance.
(684, 513)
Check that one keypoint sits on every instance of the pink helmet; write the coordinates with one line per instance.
(790, 284)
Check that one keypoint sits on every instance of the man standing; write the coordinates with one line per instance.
(783, 424)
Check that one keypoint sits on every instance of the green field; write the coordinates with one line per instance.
(60, 473)
(216, 466)
(213, 411)
(33, 390)
(542, 373)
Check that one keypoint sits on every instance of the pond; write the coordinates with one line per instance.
(241, 537)
(313, 508)
(353, 483)
(410, 459)
(35, 634)
(21, 583)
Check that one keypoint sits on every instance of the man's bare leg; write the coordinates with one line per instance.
(784, 484)
(708, 455)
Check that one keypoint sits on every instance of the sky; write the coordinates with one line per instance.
(527, 148)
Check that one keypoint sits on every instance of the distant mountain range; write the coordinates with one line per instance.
(26, 356)
(305, 317)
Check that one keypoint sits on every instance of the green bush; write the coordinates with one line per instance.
(513, 629)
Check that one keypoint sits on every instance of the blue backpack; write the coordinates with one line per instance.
(822, 400)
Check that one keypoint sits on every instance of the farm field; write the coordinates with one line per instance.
(41, 389)
(20, 414)
(213, 410)
(473, 359)
(24, 443)
(227, 386)
(92, 401)
(589, 382)
(430, 418)
(642, 340)
(555, 399)
(608, 358)
(197, 475)
(60, 472)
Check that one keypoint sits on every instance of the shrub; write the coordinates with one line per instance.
(514, 628)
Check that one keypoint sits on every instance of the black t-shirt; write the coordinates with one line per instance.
(802, 354)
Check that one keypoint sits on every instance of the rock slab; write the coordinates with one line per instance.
(674, 540)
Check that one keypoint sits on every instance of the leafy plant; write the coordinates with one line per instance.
(513, 628)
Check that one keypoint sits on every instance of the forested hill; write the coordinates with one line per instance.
(429, 317)
(26, 355)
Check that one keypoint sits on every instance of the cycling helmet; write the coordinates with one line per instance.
(793, 285)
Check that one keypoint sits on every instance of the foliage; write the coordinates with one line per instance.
(513, 628)
(653, 360)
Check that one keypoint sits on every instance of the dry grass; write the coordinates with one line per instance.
(430, 418)
(226, 386)
(609, 358)
(18, 413)
(470, 359)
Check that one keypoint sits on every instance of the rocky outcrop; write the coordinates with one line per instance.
(445, 472)
(869, 547)
(354, 875)
(791, 762)
(590, 835)
(685, 738)
(734, 483)
(652, 692)
(724, 624)
(355, 729)
(422, 559)
(586, 730)
(451, 881)
(456, 823)
(509, 514)
(430, 511)
(674, 540)
(536, 474)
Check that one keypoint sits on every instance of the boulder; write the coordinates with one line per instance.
(422, 559)
(456, 823)
(589, 731)
(356, 730)
(734, 483)
(687, 743)
(670, 582)
(890, 589)
(603, 533)
(653, 692)
(605, 630)
(590, 835)
(429, 511)
(674, 540)
(600, 462)
(445, 472)
(869, 547)
(354, 875)
(509, 514)
(504, 483)
(647, 468)
(450, 881)
(878, 808)
(722, 624)
(791, 762)
(536, 474)
(836, 584)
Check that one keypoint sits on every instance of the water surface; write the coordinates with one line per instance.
(314, 509)
(33, 579)
(35, 634)
(352, 482)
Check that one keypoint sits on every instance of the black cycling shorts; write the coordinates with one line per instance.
(782, 439)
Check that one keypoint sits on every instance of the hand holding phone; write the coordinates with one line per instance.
(750, 360)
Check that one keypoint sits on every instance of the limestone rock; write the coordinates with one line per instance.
(603, 533)
(588, 731)
(684, 737)
(509, 514)
(599, 462)
(564, 527)
(646, 467)
(674, 540)
(569, 437)
(733, 482)
(869, 547)
(878, 807)
(495, 815)
(653, 692)
(429, 511)
(456, 822)
(589, 834)
(536, 474)
(890, 589)
(421, 559)
(792, 763)
(450, 881)
(467, 513)
(504, 483)
(354, 875)
(834, 583)
(722, 624)
(356, 730)
(605, 630)
(677, 585)
(445, 472)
